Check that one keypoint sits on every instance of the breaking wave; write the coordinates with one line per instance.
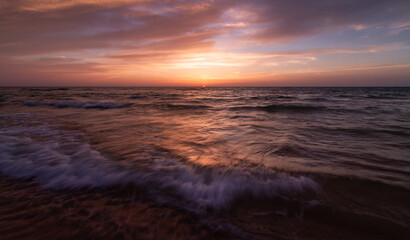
(60, 164)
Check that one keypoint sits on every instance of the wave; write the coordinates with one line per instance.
(269, 97)
(274, 108)
(289, 150)
(49, 89)
(370, 132)
(387, 96)
(317, 99)
(283, 108)
(137, 96)
(57, 164)
(102, 105)
(286, 97)
(187, 106)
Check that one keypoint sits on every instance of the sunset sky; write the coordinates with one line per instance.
(213, 43)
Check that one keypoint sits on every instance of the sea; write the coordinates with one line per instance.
(205, 163)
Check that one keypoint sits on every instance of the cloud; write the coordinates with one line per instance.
(130, 32)
(31, 27)
(280, 21)
(49, 71)
(91, 25)
(369, 49)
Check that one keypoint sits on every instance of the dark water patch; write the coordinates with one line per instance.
(137, 97)
(187, 106)
(240, 116)
(289, 150)
(384, 173)
(388, 96)
(283, 108)
(48, 89)
(373, 110)
(270, 97)
(293, 108)
(364, 167)
(285, 97)
(257, 98)
(364, 132)
(347, 96)
(173, 95)
(378, 97)
(393, 132)
(101, 105)
(317, 99)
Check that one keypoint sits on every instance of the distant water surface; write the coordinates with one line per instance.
(237, 162)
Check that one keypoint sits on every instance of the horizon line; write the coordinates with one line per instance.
(167, 86)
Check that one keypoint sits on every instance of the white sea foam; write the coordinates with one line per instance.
(71, 165)
(78, 104)
(52, 166)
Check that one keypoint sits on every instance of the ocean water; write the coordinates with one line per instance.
(205, 163)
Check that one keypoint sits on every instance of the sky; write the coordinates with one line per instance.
(211, 43)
